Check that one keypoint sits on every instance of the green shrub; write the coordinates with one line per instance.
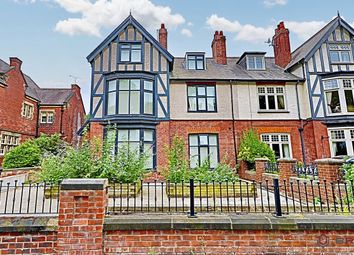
(27, 154)
(251, 148)
(177, 168)
(348, 172)
(221, 173)
(31, 152)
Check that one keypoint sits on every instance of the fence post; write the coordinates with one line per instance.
(260, 168)
(286, 168)
(277, 198)
(191, 199)
(82, 205)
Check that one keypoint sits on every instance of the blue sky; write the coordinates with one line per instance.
(53, 37)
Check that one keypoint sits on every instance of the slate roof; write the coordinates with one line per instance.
(46, 96)
(303, 50)
(231, 71)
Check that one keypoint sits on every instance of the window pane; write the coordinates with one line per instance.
(201, 91)
(200, 65)
(211, 104)
(281, 103)
(271, 102)
(136, 56)
(135, 84)
(213, 140)
(148, 135)
(111, 105)
(262, 103)
(149, 164)
(286, 151)
(134, 102)
(148, 103)
(276, 149)
(123, 102)
(210, 91)
(191, 64)
(333, 101)
(112, 85)
(111, 138)
(123, 84)
(251, 64)
(193, 140)
(192, 104)
(213, 157)
(193, 157)
(334, 56)
(203, 154)
(203, 139)
(124, 55)
(134, 147)
(134, 135)
(349, 100)
(123, 135)
(148, 85)
(339, 148)
(259, 62)
(201, 104)
(345, 56)
(192, 91)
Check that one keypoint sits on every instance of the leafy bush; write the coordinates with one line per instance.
(221, 173)
(27, 154)
(31, 152)
(348, 172)
(251, 148)
(177, 168)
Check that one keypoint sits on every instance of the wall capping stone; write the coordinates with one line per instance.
(84, 184)
(28, 223)
(330, 161)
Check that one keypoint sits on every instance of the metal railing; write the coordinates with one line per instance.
(306, 171)
(28, 198)
(271, 167)
(239, 196)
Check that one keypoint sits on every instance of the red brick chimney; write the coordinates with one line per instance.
(281, 44)
(16, 62)
(163, 36)
(218, 47)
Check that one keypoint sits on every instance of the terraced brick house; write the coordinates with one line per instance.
(26, 110)
(143, 96)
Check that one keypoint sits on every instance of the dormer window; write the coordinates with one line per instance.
(255, 62)
(195, 61)
(130, 52)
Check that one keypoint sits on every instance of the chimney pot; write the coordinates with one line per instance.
(163, 36)
(281, 45)
(218, 47)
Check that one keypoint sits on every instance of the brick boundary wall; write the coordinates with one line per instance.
(83, 228)
(18, 171)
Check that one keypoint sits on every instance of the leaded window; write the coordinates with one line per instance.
(8, 141)
(201, 98)
(280, 144)
(271, 98)
(339, 95)
(202, 148)
(340, 53)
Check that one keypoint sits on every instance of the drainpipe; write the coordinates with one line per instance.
(302, 125)
(61, 120)
(37, 123)
(233, 121)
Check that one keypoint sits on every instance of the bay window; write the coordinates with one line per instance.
(137, 140)
(341, 141)
(203, 147)
(280, 144)
(130, 97)
(339, 95)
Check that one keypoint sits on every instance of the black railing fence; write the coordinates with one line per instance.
(271, 167)
(28, 198)
(239, 196)
(306, 171)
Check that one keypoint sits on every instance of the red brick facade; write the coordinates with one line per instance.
(68, 117)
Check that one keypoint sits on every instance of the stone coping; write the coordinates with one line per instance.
(329, 161)
(287, 160)
(229, 222)
(182, 222)
(84, 184)
(34, 168)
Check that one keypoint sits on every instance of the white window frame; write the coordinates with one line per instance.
(275, 94)
(27, 110)
(8, 141)
(280, 142)
(47, 113)
(248, 57)
(348, 138)
(341, 93)
(339, 47)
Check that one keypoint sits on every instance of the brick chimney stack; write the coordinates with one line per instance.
(281, 45)
(163, 36)
(16, 62)
(218, 47)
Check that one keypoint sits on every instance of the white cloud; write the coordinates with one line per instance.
(186, 32)
(270, 3)
(259, 34)
(99, 14)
